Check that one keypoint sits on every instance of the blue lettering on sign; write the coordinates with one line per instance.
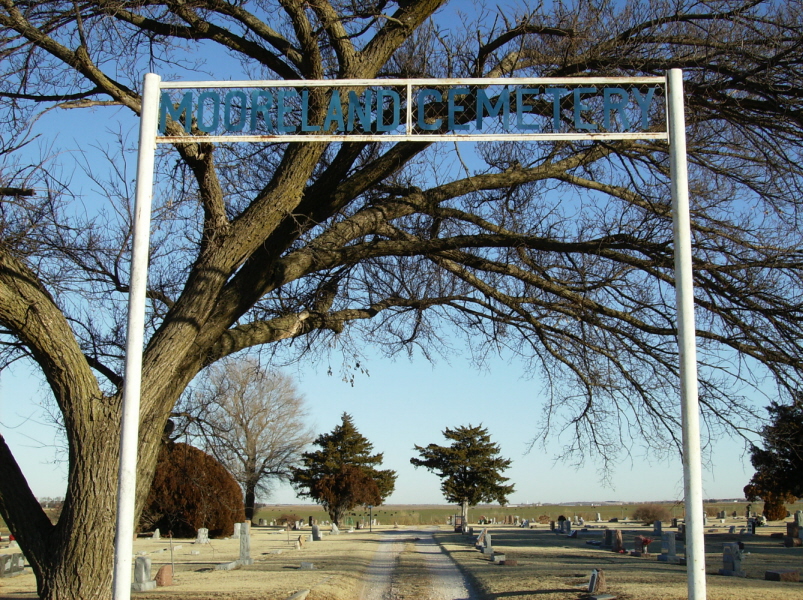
(459, 109)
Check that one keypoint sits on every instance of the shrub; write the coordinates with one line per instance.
(192, 490)
(288, 519)
(649, 513)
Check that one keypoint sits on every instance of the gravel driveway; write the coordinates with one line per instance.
(426, 566)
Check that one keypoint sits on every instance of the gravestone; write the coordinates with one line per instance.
(480, 541)
(705, 520)
(599, 518)
(793, 530)
(316, 533)
(262, 522)
(245, 545)
(597, 583)
(674, 522)
(11, 565)
(799, 518)
(641, 545)
(732, 529)
(142, 575)
(721, 514)
(656, 528)
(618, 544)
(792, 575)
(203, 536)
(156, 534)
(751, 526)
(607, 541)
(300, 541)
(311, 521)
(236, 534)
(567, 524)
(731, 560)
(668, 548)
(552, 525)
(164, 576)
(335, 530)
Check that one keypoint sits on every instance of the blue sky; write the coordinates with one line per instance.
(402, 403)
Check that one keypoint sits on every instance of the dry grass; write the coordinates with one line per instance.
(552, 567)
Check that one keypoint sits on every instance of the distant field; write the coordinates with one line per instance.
(414, 514)
(437, 514)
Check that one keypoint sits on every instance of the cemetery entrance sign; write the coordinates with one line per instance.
(414, 110)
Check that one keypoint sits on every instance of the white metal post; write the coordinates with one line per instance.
(129, 424)
(684, 294)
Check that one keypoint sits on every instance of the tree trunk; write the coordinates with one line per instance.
(465, 511)
(72, 560)
(250, 498)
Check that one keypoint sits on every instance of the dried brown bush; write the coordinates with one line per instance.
(649, 513)
(192, 490)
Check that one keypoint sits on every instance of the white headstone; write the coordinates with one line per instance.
(335, 530)
(316, 533)
(203, 536)
(245, 544)
(236, 534)
(156, 534)
(142, 575)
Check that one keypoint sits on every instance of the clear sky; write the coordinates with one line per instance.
(402, 403)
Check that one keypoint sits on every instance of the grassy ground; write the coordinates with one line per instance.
(553, 567)
(550, 567)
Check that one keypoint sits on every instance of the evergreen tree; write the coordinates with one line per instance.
(470, 468)
(343, 473)
(778, 465)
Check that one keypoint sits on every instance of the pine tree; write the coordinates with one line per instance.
(470, 468)
(778, 465)
(343, 473)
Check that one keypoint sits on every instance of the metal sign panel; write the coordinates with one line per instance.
(419, 110)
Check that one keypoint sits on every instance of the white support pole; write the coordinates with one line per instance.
(684, 293)
(129, 425)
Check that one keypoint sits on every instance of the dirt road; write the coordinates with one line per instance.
(409, 564)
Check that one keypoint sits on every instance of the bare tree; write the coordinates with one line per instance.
(253, 421)
(559, 252)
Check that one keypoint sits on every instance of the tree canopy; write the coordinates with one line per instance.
(252, 421)
(779, 463)
(342, 474)
(470, 468)
(558, 253)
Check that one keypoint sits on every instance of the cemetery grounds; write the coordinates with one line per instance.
(548, 566)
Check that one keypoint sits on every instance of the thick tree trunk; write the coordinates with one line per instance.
(79, 565)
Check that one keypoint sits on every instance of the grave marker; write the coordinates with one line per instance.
(164, 576)
(597, 581)
(203, 536)
(668, 548)
(731, 560)
(245, 545)
(618, 544)
(11, 565)
(142, 575)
